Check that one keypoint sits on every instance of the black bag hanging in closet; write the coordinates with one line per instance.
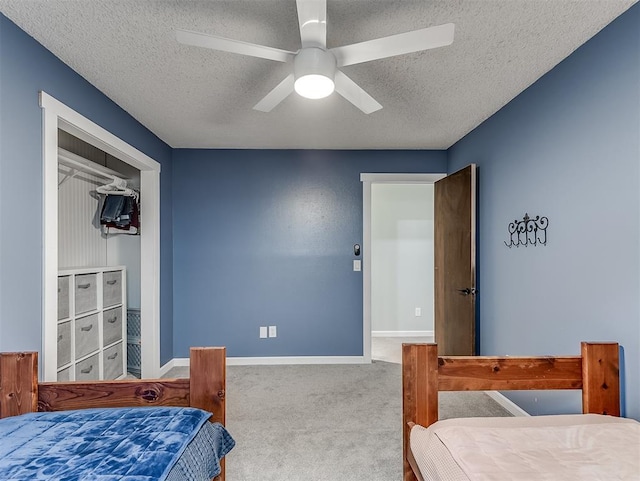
(112, 208)
(120, 212)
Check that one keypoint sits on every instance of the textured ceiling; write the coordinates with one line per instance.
(198, 98)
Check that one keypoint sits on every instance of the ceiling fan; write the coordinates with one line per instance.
(315, 72)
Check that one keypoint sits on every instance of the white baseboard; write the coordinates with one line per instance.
(167, 367)
(181, 362)
(260, 361)
(401, 333)
(507, 403)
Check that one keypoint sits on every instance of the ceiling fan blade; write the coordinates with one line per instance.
(414, 41)
(277, 95)
(214, 42)
(312, 18)
(355, 94)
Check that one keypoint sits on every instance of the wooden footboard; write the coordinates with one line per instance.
(21, 393)
(595, 371)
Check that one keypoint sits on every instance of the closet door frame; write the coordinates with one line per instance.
(57, 115)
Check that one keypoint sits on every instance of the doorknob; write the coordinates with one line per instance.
(466, 291)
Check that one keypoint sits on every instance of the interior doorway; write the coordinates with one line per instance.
(58, 116)
(380, 180)
(402, 260)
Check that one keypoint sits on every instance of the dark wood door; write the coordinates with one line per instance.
(455, 262)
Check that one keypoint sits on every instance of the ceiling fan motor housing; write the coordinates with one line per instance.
(314, 64)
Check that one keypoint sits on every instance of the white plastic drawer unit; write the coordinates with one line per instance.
(64, 343)
(88, 369)
(112, 288)
(91, 325)
(112, 326)
(63, 297)
(86, 293)
(87, 335)
(112, 361)
(64, 375)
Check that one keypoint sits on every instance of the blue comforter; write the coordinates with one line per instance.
(129, 444)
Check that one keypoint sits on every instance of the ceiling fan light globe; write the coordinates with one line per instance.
(314, 86)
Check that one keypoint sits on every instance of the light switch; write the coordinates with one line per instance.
(357, 265)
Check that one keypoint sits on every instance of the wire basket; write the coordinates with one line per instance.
(134, 349)
(133, 323)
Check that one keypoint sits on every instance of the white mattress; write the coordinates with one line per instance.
(580, 446)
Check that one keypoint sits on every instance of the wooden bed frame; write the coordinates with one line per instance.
(595, 371)
(20, 391)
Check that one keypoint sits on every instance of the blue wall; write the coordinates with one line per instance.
(266, 238)
(568, 148)
(25, 69)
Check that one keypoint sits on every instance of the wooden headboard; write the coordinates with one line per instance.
(20, 391)
(424, 373)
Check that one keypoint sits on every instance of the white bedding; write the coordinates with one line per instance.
(585, 447)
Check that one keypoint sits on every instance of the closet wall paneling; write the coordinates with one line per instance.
(80, 242)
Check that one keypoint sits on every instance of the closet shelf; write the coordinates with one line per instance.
(79, 164)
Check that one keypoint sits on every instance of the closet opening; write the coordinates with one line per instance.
(100, 267)
(98, 242)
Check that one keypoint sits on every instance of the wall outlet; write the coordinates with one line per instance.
(273, 331)
(263, 332)
(418, 311)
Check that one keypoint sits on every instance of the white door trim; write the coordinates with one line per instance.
(57, 115)
(367, 180)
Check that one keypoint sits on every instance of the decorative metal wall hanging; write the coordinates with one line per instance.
(528, 231)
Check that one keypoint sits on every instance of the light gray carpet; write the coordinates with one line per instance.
(325, 423)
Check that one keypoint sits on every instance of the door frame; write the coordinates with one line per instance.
(367, 179)
(56, 115)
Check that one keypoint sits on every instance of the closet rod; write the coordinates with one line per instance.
(79, 163)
